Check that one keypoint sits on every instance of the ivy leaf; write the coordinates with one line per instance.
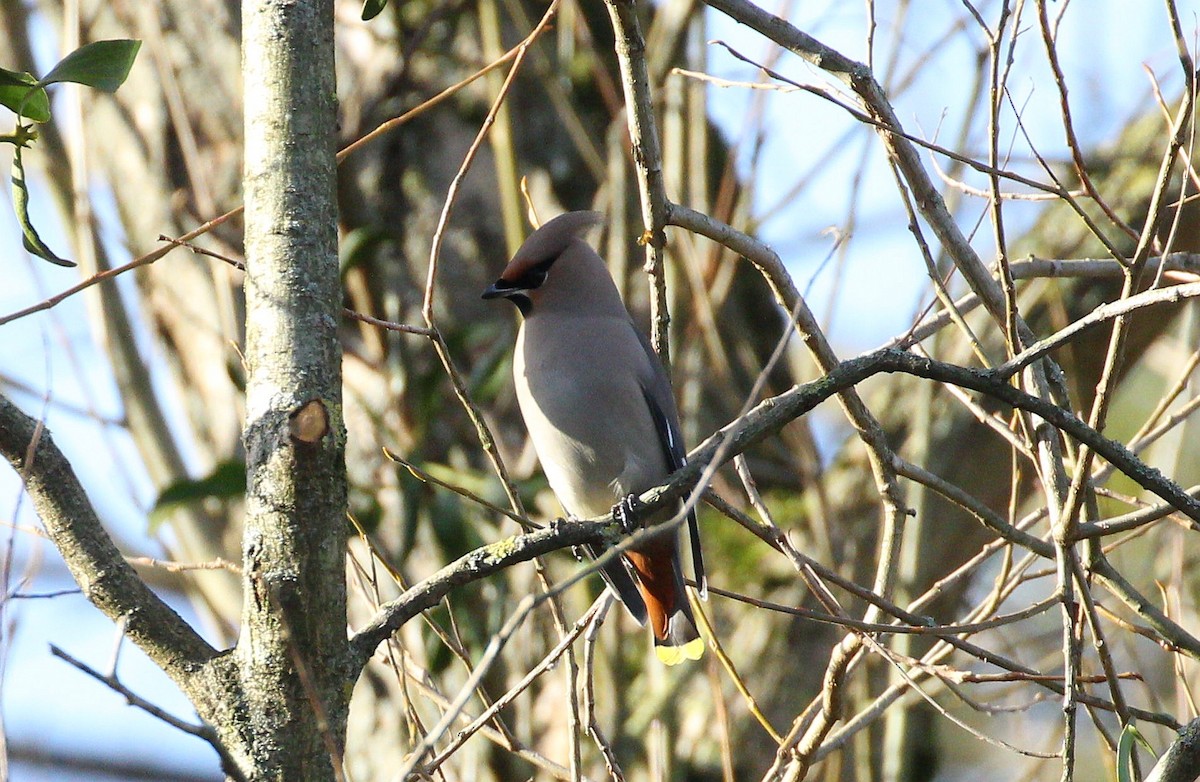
(1125, 751)
(15, 78)
(372, 8)
(20, 93)
(29, 235)
(101, 64)
(226, 481)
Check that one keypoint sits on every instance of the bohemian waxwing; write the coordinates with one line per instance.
(601, 414)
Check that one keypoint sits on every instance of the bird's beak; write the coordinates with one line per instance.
(500, 289)
(493, 291)
(517, 294)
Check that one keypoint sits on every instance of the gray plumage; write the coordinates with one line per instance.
(599, 410)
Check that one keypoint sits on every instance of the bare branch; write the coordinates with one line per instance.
(866, 425)
(1116, 309)
(1181, 761)
(477, 564)
(1034, 268)
(548, 662)
(647, 158)
(95, 562)
(141, 260)
(766, 419)
(202, 731)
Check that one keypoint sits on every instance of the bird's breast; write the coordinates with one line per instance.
(587, 416)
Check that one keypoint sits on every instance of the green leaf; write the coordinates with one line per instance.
(358, 248)
(20, 93)
(227, 481)
(1125, 751)
(101, 64)
(15, 78)
(33, 243)
(371, 8)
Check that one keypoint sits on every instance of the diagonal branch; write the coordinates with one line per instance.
(1043, 377)
(203, 731)
(473, 566)
(93, 559)
(1116, 309)
(868, 428)
(765, 420)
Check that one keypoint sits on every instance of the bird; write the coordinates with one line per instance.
(601, 414)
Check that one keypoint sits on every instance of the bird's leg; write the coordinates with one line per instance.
(625, 511)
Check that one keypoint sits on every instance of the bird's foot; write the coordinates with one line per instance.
(625, 511)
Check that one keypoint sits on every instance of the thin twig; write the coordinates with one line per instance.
(185, 567)
(202, 731)
(547, 663)
(349, 149)
(588, 702)
(426, 477)
(643, 136)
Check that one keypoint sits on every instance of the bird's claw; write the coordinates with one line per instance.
(624, 511)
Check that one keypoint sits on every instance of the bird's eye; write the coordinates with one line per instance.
(535, 275)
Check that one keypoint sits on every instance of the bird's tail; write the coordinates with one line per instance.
(621, 583)
(681, 641)
(660, 580)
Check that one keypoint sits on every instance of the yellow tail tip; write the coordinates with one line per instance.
(674, 655)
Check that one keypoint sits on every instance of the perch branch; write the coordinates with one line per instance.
(767, 418)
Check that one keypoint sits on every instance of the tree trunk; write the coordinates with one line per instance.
(292, 654)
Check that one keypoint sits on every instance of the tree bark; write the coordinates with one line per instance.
(292, 652)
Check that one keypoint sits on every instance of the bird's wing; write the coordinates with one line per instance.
(656, 389)
(616, 575)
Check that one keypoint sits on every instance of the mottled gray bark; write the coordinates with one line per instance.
(1181, 761)
(292, 652)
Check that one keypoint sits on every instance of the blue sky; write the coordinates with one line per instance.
(1103, 47)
